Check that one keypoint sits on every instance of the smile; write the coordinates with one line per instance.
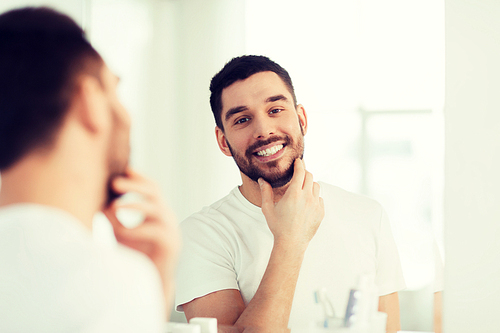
(270, 151)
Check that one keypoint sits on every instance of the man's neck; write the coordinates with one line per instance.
(47, 182)
(251, 191)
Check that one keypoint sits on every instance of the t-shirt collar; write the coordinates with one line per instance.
(244, 201)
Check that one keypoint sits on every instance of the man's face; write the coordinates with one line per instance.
(263, 130)
(118, 140)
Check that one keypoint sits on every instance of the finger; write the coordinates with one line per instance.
(266, 192)
(308, 182)
(132, 174)
(143, 242)
(298, 175)
(322, 205)
(138, 245)
(142, 232)
(146, 239)
(124, 184)
(316, 190)
(110, 214)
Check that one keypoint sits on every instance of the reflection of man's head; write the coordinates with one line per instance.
(246, 87)
(43, 56)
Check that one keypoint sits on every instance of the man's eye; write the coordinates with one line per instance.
(241, 121)
(275, 110)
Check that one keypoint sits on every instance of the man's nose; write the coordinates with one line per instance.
(263, 127)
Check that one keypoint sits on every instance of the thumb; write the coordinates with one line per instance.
(267, 195)
(110, 213)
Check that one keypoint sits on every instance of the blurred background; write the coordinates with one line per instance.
(369, 73)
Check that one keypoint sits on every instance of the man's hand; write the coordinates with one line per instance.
(297, 216)
(158, 236)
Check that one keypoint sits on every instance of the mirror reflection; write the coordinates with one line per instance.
(369, 74)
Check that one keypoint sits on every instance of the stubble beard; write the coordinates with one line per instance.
(275, 176)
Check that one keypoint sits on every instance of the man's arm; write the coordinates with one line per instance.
(438, 312)
(390, 305)
(271, 305)
(293, 222)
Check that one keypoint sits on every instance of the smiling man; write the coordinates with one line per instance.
(255, 257)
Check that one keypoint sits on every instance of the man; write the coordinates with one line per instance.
(64, 150)
(254, 258)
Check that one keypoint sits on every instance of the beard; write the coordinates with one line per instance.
(275, 175)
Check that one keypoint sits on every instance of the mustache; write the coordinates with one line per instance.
(262, 143)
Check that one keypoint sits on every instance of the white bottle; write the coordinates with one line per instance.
(207, 325)
(185, 328)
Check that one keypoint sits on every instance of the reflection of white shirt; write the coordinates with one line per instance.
(228, 245)
(54, 278)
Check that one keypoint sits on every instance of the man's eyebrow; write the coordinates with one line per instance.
(276, 98)
(232, 111)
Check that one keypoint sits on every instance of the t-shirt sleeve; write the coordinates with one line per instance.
(206, 262)
(389, 276)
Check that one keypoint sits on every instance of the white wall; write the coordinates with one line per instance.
(472, 166)
(182, 151)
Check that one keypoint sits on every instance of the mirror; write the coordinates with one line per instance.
(370, 74)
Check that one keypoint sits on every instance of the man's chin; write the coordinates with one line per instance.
(277, 180)
(278, 183)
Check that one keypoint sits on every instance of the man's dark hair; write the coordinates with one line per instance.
(42, 53)
(240, 68)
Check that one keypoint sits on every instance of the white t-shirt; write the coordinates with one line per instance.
(55, 278)
(228, 245)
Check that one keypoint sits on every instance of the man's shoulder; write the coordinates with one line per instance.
(208, 213)
(226, 219)
(223, 211)
(56, 238)
(55, 250)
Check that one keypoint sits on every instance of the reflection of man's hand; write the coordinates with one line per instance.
(297, 216)
(158, 236)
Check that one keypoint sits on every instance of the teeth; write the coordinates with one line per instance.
(270, 151)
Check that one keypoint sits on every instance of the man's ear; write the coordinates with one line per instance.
(89, 104)
(301, 112)
(222, 142)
